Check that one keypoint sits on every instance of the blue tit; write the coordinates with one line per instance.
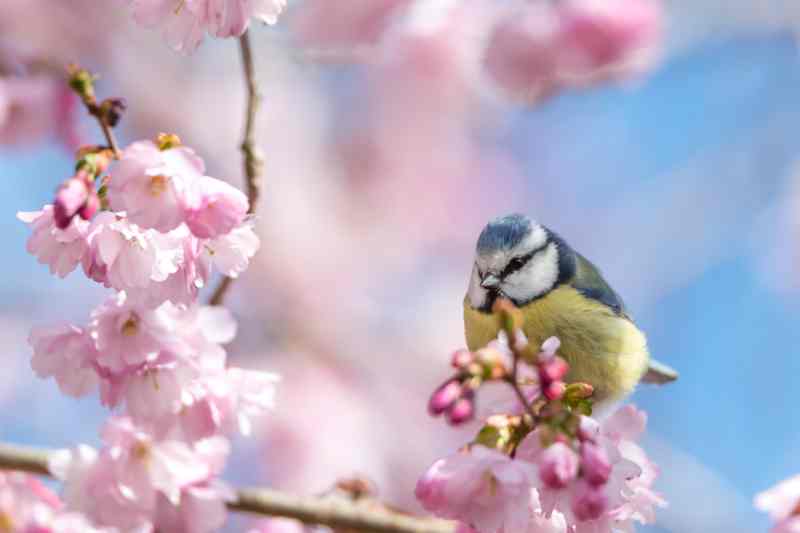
(560, 293)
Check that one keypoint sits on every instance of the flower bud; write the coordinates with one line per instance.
(553, 370)
(91, 206)
(595, 465)
(588, 502)
(558, 465)
(579, 391)
(461, 358)
(554, 391)
(445, 396)
(588, 429)
(70, 198)
(549, 348)
(113, 109)
(463, 410)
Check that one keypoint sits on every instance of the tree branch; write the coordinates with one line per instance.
(253, 158)
(358, 515)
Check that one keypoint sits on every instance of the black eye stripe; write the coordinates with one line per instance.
(517, 263)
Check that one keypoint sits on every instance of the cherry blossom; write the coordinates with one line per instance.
(214, 208)
(66, 353)
(782, 503)
(149, 184)
(60, 249)
(482, 487)
(185, 22)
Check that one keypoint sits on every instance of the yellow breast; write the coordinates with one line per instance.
(602, 348)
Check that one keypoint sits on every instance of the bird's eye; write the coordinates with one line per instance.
(516, 264)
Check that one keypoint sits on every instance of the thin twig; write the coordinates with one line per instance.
(513, 381)
(253, 159)
(95, 111)
(327, 511)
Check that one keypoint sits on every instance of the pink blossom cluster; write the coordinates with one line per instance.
(529, 49)
(538, 47)
(27, 506)
(185, 22)
(542, 465)
(155, 354)
(782, 502)
(603, 485)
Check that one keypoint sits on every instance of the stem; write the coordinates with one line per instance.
(512, 380)
(253, 159)
(94, 110)
(331, 512)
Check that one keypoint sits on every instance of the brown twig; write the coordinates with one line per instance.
(342, 513)
(82, 82)
(253, 158)
(513, 381)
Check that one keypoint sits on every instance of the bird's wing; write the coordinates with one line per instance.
(589, 282)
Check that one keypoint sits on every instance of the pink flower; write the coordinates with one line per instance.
(144, 466)
(252, 394)
(202, 507)
(25, 503)
(123, 486)
(61, 250)
(522, 53)
(65, 352)
(127, 336)
(214, 208)
(71, 198)
(558, 465)
(782, 502)
(34, 107)
(182, 286)
(231, 253)
(614, 486)
(482, 487)
(602, 38)
(129, 257)
(344, 24)
(148, 184)
(185, 22)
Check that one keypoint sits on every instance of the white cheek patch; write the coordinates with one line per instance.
(536, 278)
(476, 293)
(535, 239)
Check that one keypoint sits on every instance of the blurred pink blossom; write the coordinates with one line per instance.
(35, 108)
(782, 502)
(185, 22)
(278, 525)
(608, 38)
(344, 24)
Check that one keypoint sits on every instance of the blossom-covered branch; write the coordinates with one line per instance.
(335, 513)
(253, 160)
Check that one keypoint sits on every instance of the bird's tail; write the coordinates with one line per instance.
(659, 373)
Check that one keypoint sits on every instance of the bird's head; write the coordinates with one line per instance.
(518, 259)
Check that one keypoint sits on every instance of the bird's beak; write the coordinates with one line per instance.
(490, 282)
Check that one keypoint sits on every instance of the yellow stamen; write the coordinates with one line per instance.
(130, 327)
(158, 184)
(141, 450)
(165, 141)
(180, 6)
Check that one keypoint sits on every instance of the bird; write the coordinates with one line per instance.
(560, 294)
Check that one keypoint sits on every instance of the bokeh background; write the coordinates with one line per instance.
(683, 186)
